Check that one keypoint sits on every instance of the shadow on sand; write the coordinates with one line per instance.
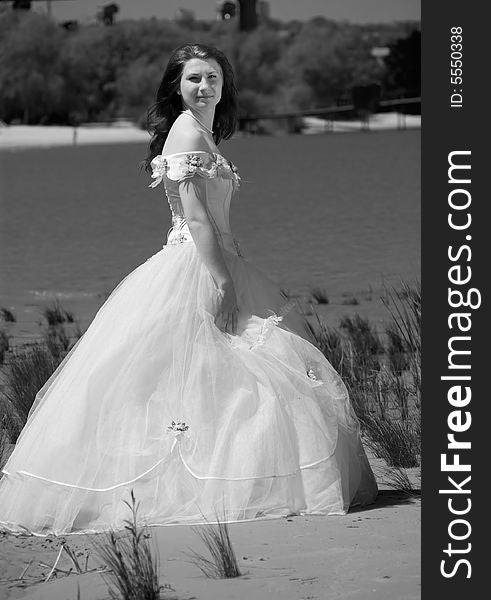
(388, 498)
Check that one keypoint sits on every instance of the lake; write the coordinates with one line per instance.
(339, 212)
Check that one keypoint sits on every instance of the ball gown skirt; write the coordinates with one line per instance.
(199, 423)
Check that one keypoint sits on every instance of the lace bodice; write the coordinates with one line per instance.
(222, 180)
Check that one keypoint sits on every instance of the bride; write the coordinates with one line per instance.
(196, 385)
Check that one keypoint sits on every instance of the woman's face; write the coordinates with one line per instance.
(201, 83)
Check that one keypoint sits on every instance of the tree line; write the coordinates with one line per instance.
(94, 73)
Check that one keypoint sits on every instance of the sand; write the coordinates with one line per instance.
(29, 136)
(370, 553)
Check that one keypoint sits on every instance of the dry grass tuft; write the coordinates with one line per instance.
(4, 345)
(350, 301)
(5, 445)
(57, 340)
(405, 308)
(133, 568)
(7, 315)
(384, 380)
(57, 315)
(222, 563)
(397, 442)
(319, 295)
(362, 335)
(397, 479)
(27, 370)
(25, 374)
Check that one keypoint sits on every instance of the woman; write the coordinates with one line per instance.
(195, 385)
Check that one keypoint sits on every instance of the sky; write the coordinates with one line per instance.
(357, 11)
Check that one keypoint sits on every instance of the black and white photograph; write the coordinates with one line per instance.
(211, 379)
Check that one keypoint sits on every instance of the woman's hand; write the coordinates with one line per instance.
(228, 311)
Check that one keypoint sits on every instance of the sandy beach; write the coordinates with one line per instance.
(371, 553)
(29, 136)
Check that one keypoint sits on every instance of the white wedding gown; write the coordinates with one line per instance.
(155, 398)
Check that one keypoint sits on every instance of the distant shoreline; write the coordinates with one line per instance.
(34, 136)
(31, 136)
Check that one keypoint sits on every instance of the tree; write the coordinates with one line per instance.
(30, 75)
(48, 74)
(21, 5)
(108, 13)
(403, 66)
(248, 15)
(135, 89)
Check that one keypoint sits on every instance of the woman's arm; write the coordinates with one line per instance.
(193, 199)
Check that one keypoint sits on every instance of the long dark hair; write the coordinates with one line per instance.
(168, 105)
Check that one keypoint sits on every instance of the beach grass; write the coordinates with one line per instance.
(7, 315)
(133, 566)
(331, 343)
(404, 306)
(383, 377)
(396, 350)
(362, 335)
(398, 479)
(28, 368)
(25, 374)
(57, 340)
(396, 441)
(4, 345)
(381, 371)
(4, 444)
(57, 315)
(350, 301)
(221, 561)
(319, 295)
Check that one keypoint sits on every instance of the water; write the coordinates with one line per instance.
(340, 212)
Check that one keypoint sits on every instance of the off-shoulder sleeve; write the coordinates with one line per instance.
(179, 167)
(185, 165)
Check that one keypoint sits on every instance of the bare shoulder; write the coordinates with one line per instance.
(184, 137)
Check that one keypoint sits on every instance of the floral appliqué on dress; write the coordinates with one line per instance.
(193, 162)
(179, 429)
(314, 377)
(159, 169)
(266, 329)
(190, 164)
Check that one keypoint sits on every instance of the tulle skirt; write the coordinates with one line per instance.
(200, 424)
